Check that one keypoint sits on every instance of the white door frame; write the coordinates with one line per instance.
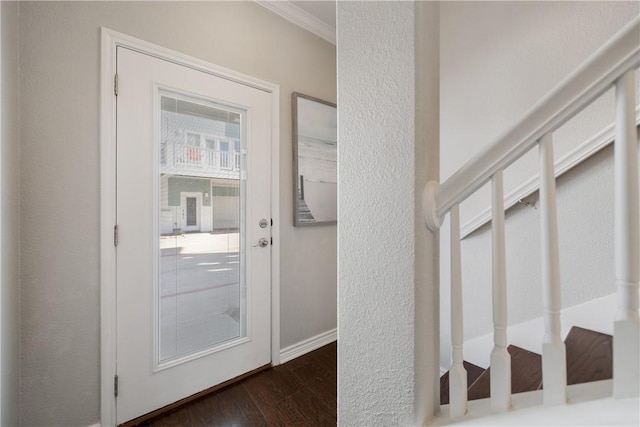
(110, 40)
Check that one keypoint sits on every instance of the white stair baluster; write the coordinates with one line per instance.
(554, 359)
(457, 373)
(500, 358)
(626, 332)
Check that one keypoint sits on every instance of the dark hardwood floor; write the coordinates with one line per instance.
(302, 392)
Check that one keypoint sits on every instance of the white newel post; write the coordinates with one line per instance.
(457, 373)
(626, 333)
(500, 358)
(554, 359)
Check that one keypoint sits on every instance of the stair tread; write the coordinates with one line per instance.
(526, 374)
(473, 372)
(589, 356)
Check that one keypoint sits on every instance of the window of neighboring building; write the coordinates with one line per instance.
(193, 139)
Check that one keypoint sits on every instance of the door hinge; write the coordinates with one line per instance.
(115, 235)
(115, 85)
(272, 241)
(115, 386)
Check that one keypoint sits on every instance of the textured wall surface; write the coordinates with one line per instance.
(497, 60)
(59, 59)
(10, 216)
(377, 220)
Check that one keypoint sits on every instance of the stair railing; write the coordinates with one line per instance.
(611, 65)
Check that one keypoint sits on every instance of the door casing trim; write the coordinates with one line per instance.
(110, 40)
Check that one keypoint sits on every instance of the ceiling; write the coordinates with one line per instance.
(316, 16)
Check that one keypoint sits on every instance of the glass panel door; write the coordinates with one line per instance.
(191, 211)
(201, 299)
(193, 287)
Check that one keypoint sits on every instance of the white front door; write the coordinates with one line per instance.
(193, 309)
(190, 204)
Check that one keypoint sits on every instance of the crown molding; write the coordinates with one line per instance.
(301, 18)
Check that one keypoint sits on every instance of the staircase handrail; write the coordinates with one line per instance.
(592, 78)
(613, 65)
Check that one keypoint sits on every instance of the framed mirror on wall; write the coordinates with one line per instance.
(315, 149)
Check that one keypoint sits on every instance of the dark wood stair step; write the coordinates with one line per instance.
(473, 372)
(589, 356)
(526, 374)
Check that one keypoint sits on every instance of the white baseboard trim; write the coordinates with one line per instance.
(95, 425)
(597, 315)
(308, 345)
(443, 370)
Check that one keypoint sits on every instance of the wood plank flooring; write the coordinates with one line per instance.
(302, 392)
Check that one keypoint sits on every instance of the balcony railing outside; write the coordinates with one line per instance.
(182, 159)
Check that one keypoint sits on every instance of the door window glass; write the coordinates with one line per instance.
(201, 296)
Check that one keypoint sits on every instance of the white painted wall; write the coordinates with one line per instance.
(59, 59)
(497, 59)
(10, 215)
(388, 133)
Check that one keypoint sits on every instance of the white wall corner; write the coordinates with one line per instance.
(303, 347)
(427, 169)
